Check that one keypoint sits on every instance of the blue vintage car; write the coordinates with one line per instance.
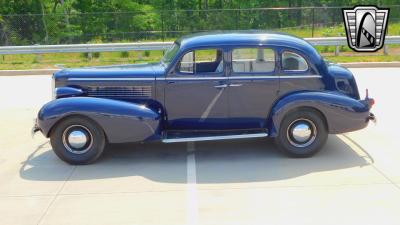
(208, 86)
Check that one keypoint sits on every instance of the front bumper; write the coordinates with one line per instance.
(35, 128)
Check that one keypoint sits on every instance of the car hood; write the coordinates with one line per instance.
(145, 70)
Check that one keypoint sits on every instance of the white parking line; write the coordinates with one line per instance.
(191, 191)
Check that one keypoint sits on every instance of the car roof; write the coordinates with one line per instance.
(243, 38)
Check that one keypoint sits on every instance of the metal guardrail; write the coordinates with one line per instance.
(342, 41)
(141, 46)
(110, 47)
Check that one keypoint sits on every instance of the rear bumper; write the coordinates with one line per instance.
(372, 117)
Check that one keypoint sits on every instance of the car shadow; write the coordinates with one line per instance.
(235, 161)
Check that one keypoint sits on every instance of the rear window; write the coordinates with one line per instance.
(293, 62)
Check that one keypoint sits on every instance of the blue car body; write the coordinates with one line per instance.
(154, 101)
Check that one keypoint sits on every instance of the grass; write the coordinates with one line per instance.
(378, 58)
(48, 61)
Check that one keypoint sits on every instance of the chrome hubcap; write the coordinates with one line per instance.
(301, 133)
(77, 139)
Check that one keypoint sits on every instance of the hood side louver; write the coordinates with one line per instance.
(120, 92)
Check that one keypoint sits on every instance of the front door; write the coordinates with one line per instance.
(196, 92)
(253, 86)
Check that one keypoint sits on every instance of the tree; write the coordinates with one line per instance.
(77, 21)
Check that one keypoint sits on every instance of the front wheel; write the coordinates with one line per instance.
(78, 140)
(302, 133)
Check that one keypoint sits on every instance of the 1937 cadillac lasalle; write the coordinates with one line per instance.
(208, 86)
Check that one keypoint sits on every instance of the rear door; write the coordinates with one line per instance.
(297, 73)
(253, 86)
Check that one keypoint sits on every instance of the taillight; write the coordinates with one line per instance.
(371, 102)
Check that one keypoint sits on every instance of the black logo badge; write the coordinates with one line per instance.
(365, 27)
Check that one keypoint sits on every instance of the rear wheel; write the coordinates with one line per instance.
(302, 133)
(78, 140)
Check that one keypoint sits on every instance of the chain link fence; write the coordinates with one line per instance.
(75, 28)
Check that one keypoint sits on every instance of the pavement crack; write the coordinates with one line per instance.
(56, 195)
(372, 161)
(386, 177)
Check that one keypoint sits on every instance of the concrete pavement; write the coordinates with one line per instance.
(355, 179)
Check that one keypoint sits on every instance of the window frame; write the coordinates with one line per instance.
(270, 73)
(177, 64)
(298, 54)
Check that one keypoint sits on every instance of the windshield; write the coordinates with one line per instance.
(327, 62)
(170, 54)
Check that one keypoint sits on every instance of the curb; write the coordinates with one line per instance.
(370, 64)
(51, 71)
(27, 72)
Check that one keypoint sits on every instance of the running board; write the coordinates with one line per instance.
(214, 138)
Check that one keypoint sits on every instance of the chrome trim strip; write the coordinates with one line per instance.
(196, 78)
(111, 79)
(212, 138)
(252, 77)
(300, 76)
(239, 77)
(274, 77)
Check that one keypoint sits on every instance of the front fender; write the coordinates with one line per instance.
(342, 113)
(121, 121)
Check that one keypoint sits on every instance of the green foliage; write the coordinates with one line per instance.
(36, 59)
(147, 53)
(96, 55)
(85, 55)
(27, 22)
(125, 54)
(90, 55)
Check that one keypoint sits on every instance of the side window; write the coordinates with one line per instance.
(202, 61)
(293, 62)
(253, 60)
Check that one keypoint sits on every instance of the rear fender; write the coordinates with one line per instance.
(341, 113)
(121, 121)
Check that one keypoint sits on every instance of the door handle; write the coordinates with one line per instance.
(221, 86)
(235, 85)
